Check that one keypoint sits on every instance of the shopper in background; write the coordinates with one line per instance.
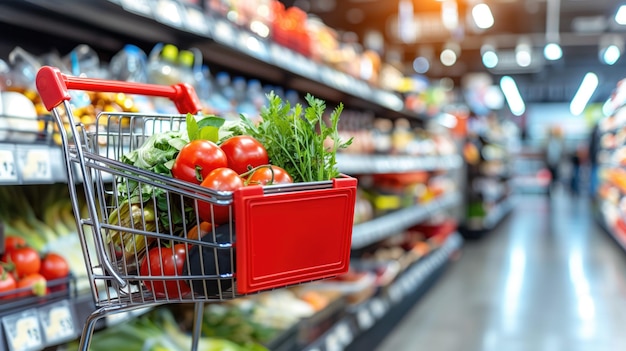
(553, 156)
(578, 160)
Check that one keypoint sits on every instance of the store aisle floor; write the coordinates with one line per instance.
(547, 279)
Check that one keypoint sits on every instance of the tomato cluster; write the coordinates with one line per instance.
(237, 162)
(166, 262)
(25, 272)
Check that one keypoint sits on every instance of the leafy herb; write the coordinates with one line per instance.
(205, 129)
(296, 138)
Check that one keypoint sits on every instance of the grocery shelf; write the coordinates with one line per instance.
(610, 216)
(365, 316)
(497, 213)
(369, 232)
(361, 164)
(31, 164)
(108, 25)
(34, 323)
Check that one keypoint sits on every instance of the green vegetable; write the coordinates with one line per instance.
(157, 153)
(295, 137)
(157, 331)
(205, 129)
(233, 323)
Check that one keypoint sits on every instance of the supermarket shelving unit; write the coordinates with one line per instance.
(610, 199)
(42, 25)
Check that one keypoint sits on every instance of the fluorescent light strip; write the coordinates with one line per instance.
(482, 16)
(584, 93)
(620, 15)
(512, 95)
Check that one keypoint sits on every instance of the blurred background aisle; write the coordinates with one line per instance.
(547, 279)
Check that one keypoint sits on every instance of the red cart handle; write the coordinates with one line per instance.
(53, 88)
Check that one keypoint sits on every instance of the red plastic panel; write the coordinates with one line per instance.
(295, 237)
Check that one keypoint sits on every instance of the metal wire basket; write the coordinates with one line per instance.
(143, 239)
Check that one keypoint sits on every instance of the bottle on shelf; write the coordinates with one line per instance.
(162, 65)
(163, 69)
(129, 64)
(225, 95)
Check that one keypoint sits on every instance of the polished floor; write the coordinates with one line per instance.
(547, 279)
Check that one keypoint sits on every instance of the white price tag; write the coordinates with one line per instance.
(141, 7)
(167, 11)
(23, 332)
(252, 45)
(332, 343)
(307, 67)
(8, 170)
(344, 334)
(36, 165)
(364, 318)
(224, 33)
(196, 21)
(57, 322)
(326, 75)
(378, 308)
(395, 293)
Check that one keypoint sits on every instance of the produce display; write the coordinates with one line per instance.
(26, 272)
(611, 186)
(159, 331)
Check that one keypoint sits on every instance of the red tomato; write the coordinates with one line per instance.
(197, 159)
(165, 262)
(12, 242)
(268, 175)
(7, 283)
(54, 266)
(221, 179)
(25, 259)
(36, 282)
(243, 152)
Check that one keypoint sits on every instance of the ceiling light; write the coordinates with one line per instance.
(611, 55)
(482, 16)
(448, 57)
(620, 15)
(490, 59)
(489, 55)
(421, 65)
(523, 54)
(584, 93)
(552, 52)
(522, 57)
(450, 53)
(610, 48)
(512, 95)
(450, 14)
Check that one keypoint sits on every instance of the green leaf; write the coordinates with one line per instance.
(177, 143)
(169, 164)
(192, 127)
(211, 121)
(209, 133)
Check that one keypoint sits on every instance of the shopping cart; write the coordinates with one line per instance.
(140, 227)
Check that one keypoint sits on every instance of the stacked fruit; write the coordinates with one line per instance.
(23, 272)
